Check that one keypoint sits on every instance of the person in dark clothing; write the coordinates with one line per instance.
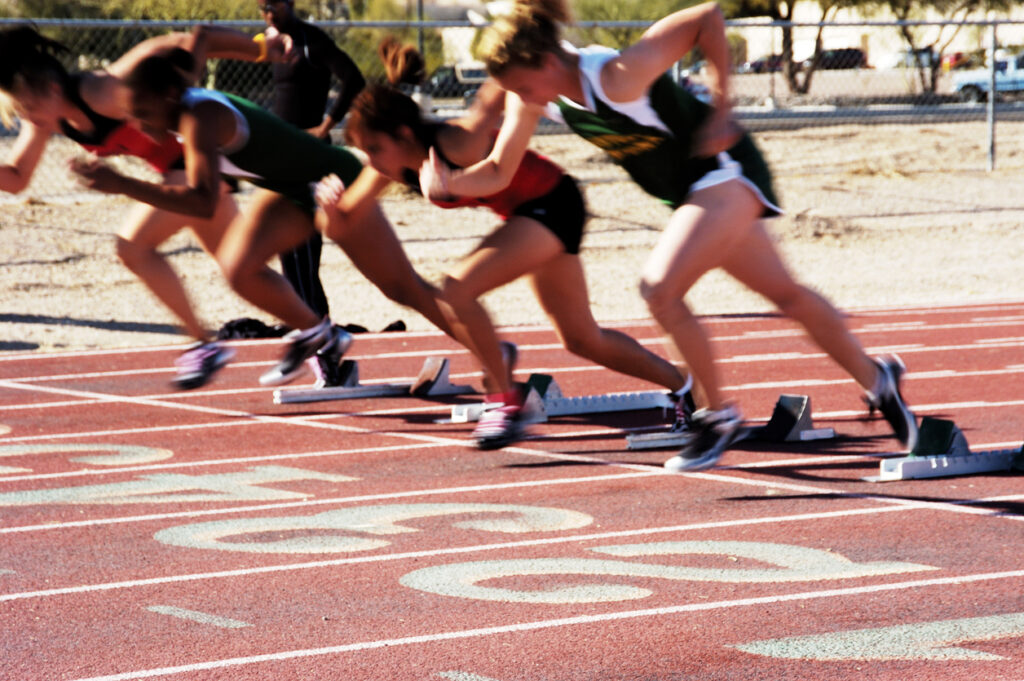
(301, 88)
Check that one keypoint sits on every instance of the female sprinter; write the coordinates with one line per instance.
(693, 157)
(543, 215)
(222, 133)
(91, 108)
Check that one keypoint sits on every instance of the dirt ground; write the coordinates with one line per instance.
(876, 216)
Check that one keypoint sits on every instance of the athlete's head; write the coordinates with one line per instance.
(32, 79)
(520, 48)
(157, 84)
(277, 13)
(386, 123)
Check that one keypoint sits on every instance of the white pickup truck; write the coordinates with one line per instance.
(973, 85)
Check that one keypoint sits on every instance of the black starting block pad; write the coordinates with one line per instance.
(941, 452)
(790, 422)
(433, 380)
(544, 399)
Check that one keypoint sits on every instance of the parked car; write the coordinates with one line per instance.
(908, 59)
(456, 80)
(842, 58)
(956, 60)
(972, 85)
(765, 64)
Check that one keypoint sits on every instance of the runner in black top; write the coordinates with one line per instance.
(301, 88)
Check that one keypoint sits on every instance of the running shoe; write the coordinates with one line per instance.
(713, 433)
(499, 427)
(683, 412)
(326, 363)
(890, 402)
(198, 364)
(304, 345)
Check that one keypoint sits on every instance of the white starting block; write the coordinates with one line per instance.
(544, 399)
(432, 381)
(790, 422)
(942, 452)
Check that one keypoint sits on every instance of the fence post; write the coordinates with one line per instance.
(991, 113)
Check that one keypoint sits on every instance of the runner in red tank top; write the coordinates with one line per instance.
(543, 214)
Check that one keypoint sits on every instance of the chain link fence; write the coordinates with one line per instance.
(788, 76)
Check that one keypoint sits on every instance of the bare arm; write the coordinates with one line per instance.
(475, 130)
(17, 172)
(340, 206)
(200, 194)
(628, 76)
(160, 44)
(494, 172)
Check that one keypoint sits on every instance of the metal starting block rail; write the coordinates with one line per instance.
(432, 381)
(942, 452)
(544, 399)
(790, 422)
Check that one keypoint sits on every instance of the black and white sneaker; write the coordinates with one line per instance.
(889, 400)
(326, 363)
(304, 345)
(683, 412)
(199, 363)
(713, 433)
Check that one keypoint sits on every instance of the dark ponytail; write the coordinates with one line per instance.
(30, 58)
(160, 74)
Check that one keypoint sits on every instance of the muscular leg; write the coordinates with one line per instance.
(270, 225)
(516, 248)
(375, 250)
(147, 228)
(561, 288)
(699, 237)
(759, 267)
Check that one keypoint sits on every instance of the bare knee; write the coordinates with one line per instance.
(581, 342)
(660, 298)
(132, 254)
(456, 294)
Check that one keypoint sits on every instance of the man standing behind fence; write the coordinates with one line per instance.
(301, 87)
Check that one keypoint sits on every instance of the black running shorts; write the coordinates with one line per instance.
(561, 210)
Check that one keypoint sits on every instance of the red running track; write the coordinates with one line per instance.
(146, 533)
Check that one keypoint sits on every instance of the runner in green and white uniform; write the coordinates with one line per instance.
(273, 154)
(693, 157)
(225, 134)
(652, 137)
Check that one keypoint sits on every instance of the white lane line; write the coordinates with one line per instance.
(215, 462)
(309, 503)
(561, 622)
(448, 551)
(200, 617)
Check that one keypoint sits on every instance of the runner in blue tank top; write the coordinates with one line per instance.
(693, 157)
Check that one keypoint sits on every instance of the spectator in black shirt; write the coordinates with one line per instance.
(301, 87)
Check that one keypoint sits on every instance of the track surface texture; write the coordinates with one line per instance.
(213, 534)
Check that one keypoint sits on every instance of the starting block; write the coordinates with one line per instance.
(433, 380)
(544, 399)
(790, 422)
(942, 451)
